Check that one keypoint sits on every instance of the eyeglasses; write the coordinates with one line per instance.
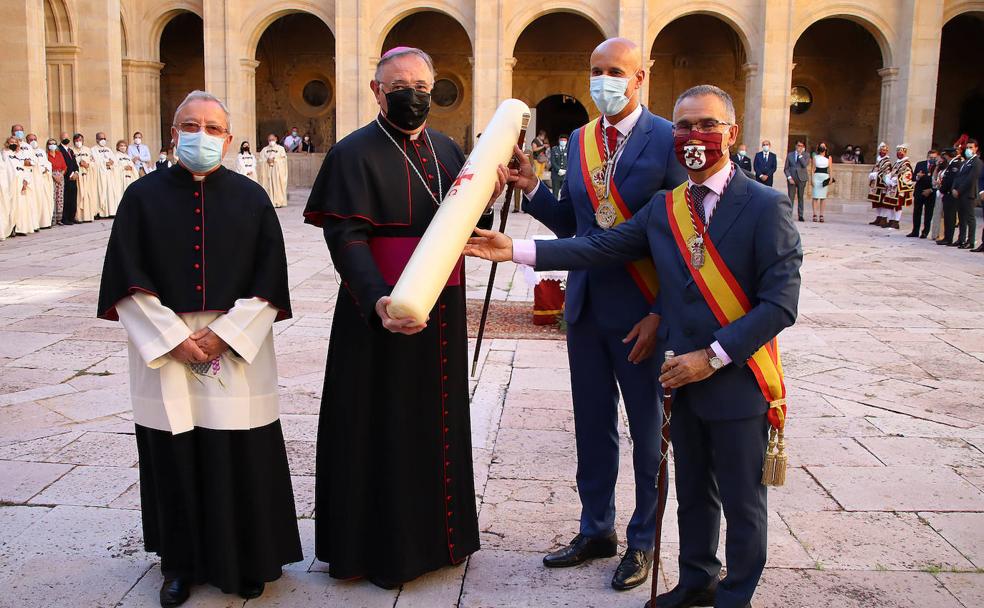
(194, 127)
(705, 125)
(421, 86)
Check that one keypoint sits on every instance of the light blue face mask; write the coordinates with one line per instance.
(199, 152)
(968, 153)
(19, 134)
(608, 93)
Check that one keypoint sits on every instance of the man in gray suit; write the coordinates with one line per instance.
(796, 175)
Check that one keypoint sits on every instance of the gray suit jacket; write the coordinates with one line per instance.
(796, 170)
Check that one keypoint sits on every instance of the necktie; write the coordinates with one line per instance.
(697, 194)
(611, 134)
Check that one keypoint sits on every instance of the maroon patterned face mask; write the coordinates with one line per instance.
(698, 151)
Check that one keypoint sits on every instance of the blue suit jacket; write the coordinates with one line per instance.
(647, 165)
(765, 166)
(753, 230)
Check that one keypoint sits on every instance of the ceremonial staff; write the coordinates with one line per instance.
(662, 483)
(503, 217)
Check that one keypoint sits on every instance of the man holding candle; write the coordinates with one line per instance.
(395, 495)
(612, 312)
(728, 257)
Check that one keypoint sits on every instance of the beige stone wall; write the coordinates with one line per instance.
(96, 65)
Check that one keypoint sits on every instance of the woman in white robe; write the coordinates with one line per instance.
(246, 162)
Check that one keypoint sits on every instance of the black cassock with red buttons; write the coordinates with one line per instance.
(198, 245)
(395, 495)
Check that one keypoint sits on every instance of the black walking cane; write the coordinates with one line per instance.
(662, 483)
(503, 217)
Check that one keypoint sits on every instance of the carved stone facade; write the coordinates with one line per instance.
(871, 66)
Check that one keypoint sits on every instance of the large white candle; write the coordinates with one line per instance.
(427, 272)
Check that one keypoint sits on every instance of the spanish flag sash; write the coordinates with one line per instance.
(728, 302)
(592, 144)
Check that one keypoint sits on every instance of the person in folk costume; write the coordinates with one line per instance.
(394, 493)
(104, 163)
(899, 187)
(728, 256)
(246, 162)
(88, 182)
(876, 185)
(127, 171)
(23, 216)
(196, 272)
(44, 189)
(273, 171)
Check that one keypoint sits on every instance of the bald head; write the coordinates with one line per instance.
(618, 58)
(618, 51)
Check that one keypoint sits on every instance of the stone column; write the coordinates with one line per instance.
(632, 20)
(348, 84)
(888, 132)
(143, 100)
(62, 83)
(247, 130)
(100, 73)
(919, 63)
(647, 65)
(751, 121)
(505, 77)
(22, 63)
(767, 88)
(368, 108)
(486, 93)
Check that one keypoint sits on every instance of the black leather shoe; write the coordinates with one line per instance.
(249, 591)
(632, 571)
(942, 242)
(681, 597)
(912, 235)
(174, 592)
(955, 244)
(967, 245)
(581, 549)
(980, 248)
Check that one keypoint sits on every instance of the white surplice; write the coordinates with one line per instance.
(236, 393)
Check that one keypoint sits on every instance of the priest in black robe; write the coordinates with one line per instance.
(196, 271)
(394, 496)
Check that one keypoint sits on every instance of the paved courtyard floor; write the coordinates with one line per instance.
(884, 504)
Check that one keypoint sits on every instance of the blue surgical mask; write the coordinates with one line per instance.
(608, 93)
(741, 153)
(199, 152)
(19, 134)
(968, 153)
(765, 149)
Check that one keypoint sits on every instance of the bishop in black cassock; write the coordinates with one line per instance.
(395, 495)
(196, 264)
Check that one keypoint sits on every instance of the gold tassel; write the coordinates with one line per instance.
(769, 468)
(779, 475)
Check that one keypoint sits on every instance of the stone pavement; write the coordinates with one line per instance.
(884, 506)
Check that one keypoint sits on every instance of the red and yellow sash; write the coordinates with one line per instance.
(727, 301)
(592, 145)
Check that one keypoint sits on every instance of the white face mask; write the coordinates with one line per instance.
(102, 142)
(563, 143)
(272, 141)
(78, 144)
(608, 93)
(137, 140)
(34, 144)
(163, 157)
(52, 147)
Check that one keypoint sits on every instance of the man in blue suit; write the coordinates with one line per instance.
(612, 314)
(765, 164)
(719, 426)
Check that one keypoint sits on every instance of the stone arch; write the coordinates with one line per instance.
(161, 18)
(747, 33)
(959, 104)
(264, 15)
(384, 23)
(879, 28)
(680, 60)
(605, 20)
(59, 25)
(954, 8)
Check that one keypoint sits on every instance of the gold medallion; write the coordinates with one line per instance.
(605, 215)
(696, 246)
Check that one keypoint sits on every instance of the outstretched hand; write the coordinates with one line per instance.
(407, 327)
(490, 245)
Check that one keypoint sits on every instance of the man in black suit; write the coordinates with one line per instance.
(925, 197)
(953, 166)
(765, 164)
(71, 181)
(558, 165)
(965, 190)
(796, 173)
(741, 158)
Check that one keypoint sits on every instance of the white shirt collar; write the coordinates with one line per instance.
(717, 182)
(625, 125)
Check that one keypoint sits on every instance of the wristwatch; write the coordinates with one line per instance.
(713, 360)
